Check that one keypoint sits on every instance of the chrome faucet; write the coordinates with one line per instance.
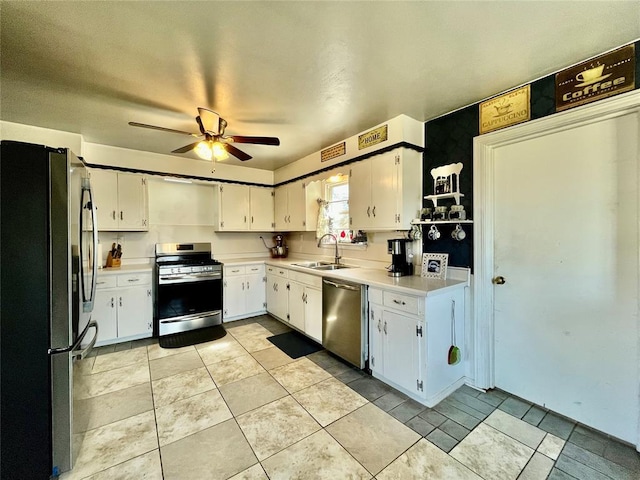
(338, 257)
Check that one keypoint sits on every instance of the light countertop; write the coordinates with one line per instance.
(132, 268)
(373, 277)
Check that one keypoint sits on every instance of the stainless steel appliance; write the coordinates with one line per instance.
(400, 257)
(188, 288)
(344, 329)
(48, 278)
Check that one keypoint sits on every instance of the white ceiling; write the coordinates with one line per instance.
(310, 73)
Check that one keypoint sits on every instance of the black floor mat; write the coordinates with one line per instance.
(295, 344)
(192, 337)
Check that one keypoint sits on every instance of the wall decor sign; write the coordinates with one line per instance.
(373, 137)
(606, 75)
(505, 110)
(333, 152)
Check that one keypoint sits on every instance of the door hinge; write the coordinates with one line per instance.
(220, 188)
(264, 305)
(420, 385)
(273, 194)
(144, 181)
(304, 185)
(221, 224)
(287, 316)
(148, 293)
(304, 223)
(350, 220)
(373, 361)
(264, 279)
(224, 283)
(288, 286)
(418, 330)
(225, 312)
(273, 225)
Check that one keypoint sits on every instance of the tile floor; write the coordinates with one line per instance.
(239, 408)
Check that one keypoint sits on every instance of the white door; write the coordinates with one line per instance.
(281, 208)
(131, 201)
(296, 305)
(234, 296)
(255, 291)
(566, 243)
(104, 313)
(134, 311)
(105, 191)
(384, 190)
(313, 313)
(401, 361)
(261, 209)
(360, 194)
(234, 207)
(297, 206)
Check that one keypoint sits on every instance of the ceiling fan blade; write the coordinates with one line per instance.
(256, 140)
(186, 148)
(162, 129)
(239, 154)
(210, 120)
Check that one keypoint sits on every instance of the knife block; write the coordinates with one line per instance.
(113, 262)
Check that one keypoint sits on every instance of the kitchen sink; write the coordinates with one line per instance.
(332, 266)
(313, 264)
(321, 265)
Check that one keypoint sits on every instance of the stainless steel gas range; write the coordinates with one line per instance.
(188, 288)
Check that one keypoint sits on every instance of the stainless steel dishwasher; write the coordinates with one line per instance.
(344, 331)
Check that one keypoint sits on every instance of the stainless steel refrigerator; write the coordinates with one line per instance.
(47, 270)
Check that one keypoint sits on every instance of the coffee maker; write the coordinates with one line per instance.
(400, 257)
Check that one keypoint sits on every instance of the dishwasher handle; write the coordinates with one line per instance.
(344, 286)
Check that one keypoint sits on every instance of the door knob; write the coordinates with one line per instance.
(499, 280)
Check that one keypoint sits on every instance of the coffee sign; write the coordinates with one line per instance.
(505, 110)
(607, 75)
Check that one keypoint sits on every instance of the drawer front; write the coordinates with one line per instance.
(375, 295)
(278, 271)
(134, 279)
(311, 280)
(231, 271)
(399, 301)
(255, 269)
(106, 281)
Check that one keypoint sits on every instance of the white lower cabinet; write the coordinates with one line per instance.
(409, 340)
(123, 307)
(305, 303)
(244, 291)
(277, 292)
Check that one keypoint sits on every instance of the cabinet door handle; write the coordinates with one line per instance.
(398, 302)
(369, 212)
(242, 285)
(251, 218)
(385, 328)
(247, 285)
(379, 325)
(121, 215)
(374, 211)
(133, 280)
(120, 301)
(111, 302)
(245, 219)
(113, 214)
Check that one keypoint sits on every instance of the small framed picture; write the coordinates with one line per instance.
(434, 265)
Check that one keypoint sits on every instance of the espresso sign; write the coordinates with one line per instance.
(506, 110)
(607, 75)
(372, 137)
(333, 152)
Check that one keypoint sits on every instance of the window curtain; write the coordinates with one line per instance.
(324, 221)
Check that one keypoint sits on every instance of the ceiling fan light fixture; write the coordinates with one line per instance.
(219, 152)
(204, 150)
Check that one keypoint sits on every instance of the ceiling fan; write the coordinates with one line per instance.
(215, 143)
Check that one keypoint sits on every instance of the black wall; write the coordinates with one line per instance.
(449, 139)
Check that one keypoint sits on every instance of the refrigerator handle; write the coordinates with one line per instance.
(87, 304)
(76, 344)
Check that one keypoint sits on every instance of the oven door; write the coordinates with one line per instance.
(188, 303)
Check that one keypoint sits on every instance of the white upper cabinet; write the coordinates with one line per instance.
(241, 208)
(121, 200)
(261, 209)
(385, 191)
(296, 206)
